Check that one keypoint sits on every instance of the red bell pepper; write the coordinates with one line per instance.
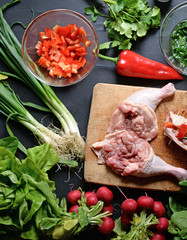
(62, 50)
(182, 131)
(169, 125)
(131, 64)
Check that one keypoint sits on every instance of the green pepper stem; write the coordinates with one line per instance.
(115, 60)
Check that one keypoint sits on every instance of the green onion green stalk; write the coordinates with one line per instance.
(12, 107)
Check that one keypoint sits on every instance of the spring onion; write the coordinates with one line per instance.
(12, 107)
(10, 53)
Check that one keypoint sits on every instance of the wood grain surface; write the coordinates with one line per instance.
(105, 99)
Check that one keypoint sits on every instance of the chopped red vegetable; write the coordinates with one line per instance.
(182, 131)
(169, 125)
(62, 50)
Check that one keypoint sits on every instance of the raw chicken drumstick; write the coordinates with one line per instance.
(137, 112)
(128, 154)
(125, 148)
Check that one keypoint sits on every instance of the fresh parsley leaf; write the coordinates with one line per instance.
(105, 45)
(93, 12)
(127, 20)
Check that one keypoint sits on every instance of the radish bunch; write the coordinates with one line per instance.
(91, 199)
(130, 207)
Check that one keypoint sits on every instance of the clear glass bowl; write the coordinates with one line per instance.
(61, 17)
(176, 15)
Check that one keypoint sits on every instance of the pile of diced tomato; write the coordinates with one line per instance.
(62, 50)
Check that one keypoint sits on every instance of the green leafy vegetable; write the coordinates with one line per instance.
(11, 143)
(29, 207)
(179, 42)
(127, 20)
(178, 214)
(94, 13)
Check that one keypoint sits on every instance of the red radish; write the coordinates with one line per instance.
(74, 208)
(91, 200)
(74, 196)
(126, 219)
(145, 202)
(158, 209)
(162, 225)
(107, 226)
(129, 206)
(104, 194)
(158, 236)
(89, 193)
(107, 208)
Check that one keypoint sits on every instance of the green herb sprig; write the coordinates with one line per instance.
(127, 20)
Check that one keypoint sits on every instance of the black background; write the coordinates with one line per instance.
(77, 98)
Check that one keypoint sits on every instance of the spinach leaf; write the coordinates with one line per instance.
(180, 220)
(11, 143)
(178, 214)
(26, 191)
(176, 205)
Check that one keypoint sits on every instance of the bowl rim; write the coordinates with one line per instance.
(53, 11)
(160, 36)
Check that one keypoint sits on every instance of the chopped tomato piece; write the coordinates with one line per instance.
(182, 131)
(62, 50)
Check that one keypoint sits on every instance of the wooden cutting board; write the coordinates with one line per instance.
(105, 99)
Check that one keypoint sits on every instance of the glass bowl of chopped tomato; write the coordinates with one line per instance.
(60, 47)
(173, 37)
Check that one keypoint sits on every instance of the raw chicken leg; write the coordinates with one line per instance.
(158, 166)
(152, 96)
(136, 113)
(125, 148)
(127, 154)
